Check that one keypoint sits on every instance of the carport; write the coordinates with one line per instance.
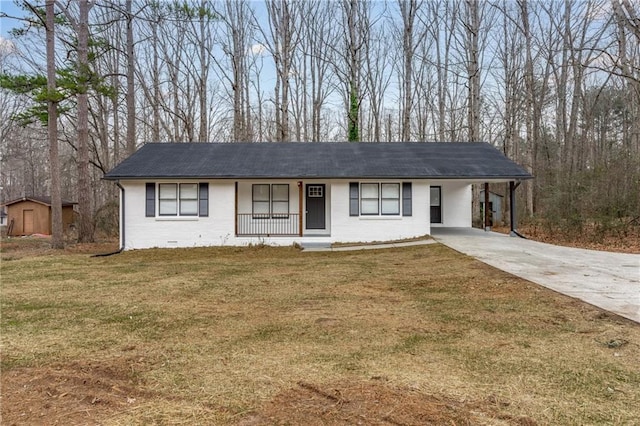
(610, 281)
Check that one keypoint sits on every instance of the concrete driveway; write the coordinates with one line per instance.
(610, 281)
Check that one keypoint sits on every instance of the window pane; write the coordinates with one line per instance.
(168, 207)
(189, 207)
(168, 191)
(280, 192)
(435, 195)
(391, 206)
(369, 206)
(260, 192)
(315, 191)
(406, 199)
(188, 191)
(369, 190)
(280, 207)
(390, 190)
(260, 207)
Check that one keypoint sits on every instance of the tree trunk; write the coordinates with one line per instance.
(57, 240)
(530, 99)
(131, 100)
(353, 48)
(85, 228)
(203, 134)
(473, 70)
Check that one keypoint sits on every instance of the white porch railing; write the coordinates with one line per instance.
(266, 225)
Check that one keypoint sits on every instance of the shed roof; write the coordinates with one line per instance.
(347, 160)
(40, 200)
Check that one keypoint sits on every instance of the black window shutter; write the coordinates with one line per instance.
(203, 208)
(151, 199)
(354, 203)
(406, 199)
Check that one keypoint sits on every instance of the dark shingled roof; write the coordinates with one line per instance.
(41, 200)
(294, 160)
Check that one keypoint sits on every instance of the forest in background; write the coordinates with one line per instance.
(554, 85)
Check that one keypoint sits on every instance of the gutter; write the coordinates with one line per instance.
(472, 179)
(123, 227)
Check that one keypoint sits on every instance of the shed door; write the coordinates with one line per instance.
(27, 222)
(316, 206)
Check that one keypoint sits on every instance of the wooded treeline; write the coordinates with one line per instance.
(555, 85)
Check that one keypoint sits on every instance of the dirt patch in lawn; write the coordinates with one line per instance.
(85, 393)
(375, 402)
(81, 392)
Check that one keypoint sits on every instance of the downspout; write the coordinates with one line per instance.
(512, 209)
(122, 235)
(485, 219)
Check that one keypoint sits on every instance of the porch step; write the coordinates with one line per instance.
(315, 245)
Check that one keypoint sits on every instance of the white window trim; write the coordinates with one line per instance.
(177, 218)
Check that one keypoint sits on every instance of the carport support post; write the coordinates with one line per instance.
(512, 208)
(487, 223)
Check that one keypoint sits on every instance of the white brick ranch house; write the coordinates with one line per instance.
(212, 194)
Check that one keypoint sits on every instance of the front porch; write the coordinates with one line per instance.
(281, 209)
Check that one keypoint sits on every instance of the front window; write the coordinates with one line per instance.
(280, 200)
(270, 201)
(390, 201)
(188, 199)
(369, 198)
(178, 199)
(168, 199)
(261, 201)
(380, 199)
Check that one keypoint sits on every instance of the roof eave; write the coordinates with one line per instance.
(453, 177)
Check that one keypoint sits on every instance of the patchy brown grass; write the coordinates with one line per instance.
(30, 246)
(253, 336)
(404, 240)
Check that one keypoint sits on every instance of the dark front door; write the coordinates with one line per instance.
(315, 206)
(436, 204)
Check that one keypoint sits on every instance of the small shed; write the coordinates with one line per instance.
(495, 207)
(32, 215)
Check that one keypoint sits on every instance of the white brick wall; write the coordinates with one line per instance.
(456, 204)
(219, 227)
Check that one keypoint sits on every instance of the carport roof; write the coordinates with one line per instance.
(341, 160)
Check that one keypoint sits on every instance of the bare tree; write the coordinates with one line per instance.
(408, 11)
(235, 39)
(85, 228)
(57, 241)
(282, 42)
(319, 33)
(130, 96)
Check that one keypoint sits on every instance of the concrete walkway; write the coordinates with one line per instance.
(610, 281)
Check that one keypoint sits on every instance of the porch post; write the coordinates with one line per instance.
(487, 224)
(300, 194)
(236, 210)
(512, 208)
